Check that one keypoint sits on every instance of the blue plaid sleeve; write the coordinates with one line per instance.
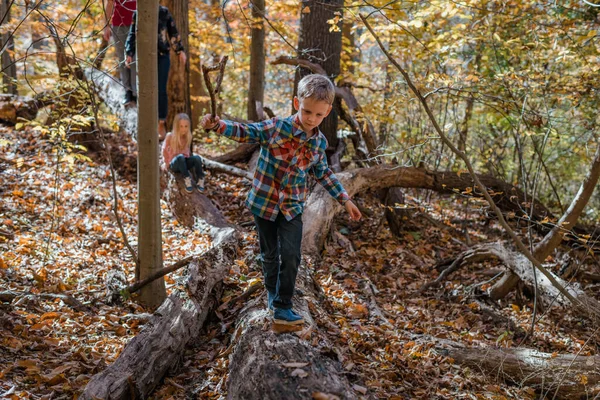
(328, 180)
(258, 132)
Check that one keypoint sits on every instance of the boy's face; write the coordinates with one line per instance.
(311, 112)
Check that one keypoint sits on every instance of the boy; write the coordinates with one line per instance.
(290, 149)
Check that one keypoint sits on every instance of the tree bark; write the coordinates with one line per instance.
(508, 197)
(396, 217)
(149, 229)
(553, 376)
(256, 86)
(7, 44)
(178, 85)
(146, 359)
(320, 45)
(242, 153)
(350, 50)
(190, 207)
(228, 169)
(265, 364)
(112, 93)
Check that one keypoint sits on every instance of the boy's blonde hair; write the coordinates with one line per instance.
(181, 140)
(317, 87)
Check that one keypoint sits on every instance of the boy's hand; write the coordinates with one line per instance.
(352, 210)
(210, 123)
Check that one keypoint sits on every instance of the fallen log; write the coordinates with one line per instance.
(268, 364)
(190, 208)
(146, 359)
(242, 153)
(522, 268)
(564, 376)
(112, 92)
(227, 169)
(507, 197)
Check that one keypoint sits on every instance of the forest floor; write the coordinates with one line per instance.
(59, 235)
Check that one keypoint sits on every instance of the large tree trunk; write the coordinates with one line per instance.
(564, 376)
(149, 230)
(7, 46)
(146, 359)
(178, 85)
(321, 45)
(256, 87)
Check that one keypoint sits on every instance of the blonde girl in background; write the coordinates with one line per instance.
(177, 155)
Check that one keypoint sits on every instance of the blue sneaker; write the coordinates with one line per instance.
(287, 317)
(200, 185)
(187, 182)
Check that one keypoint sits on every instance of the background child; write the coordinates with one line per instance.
(177, 155)
(290, 149)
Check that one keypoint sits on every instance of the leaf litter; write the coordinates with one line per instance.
(59, 236)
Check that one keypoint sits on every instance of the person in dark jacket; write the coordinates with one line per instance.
(168, 38)
(119, 15)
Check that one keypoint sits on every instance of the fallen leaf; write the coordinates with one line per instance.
(50, 315)
(359, 311)
(300, 373)
(360, 389)
(31, 366)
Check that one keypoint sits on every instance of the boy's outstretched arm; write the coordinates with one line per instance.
(330, 182)
(259, 132)
(352, 210)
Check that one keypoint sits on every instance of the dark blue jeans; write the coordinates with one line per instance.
(280, 243)
(164, 63)
(184, 165)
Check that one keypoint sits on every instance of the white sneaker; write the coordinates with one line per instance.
(188, 184)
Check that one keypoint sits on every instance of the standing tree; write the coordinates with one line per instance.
(178, 86)
(9, 68)
(256, 88)
(321, 43)
(149, 230)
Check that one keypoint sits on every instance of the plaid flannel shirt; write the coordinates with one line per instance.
(287, 155)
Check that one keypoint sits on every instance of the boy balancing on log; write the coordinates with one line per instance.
(290, 148)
